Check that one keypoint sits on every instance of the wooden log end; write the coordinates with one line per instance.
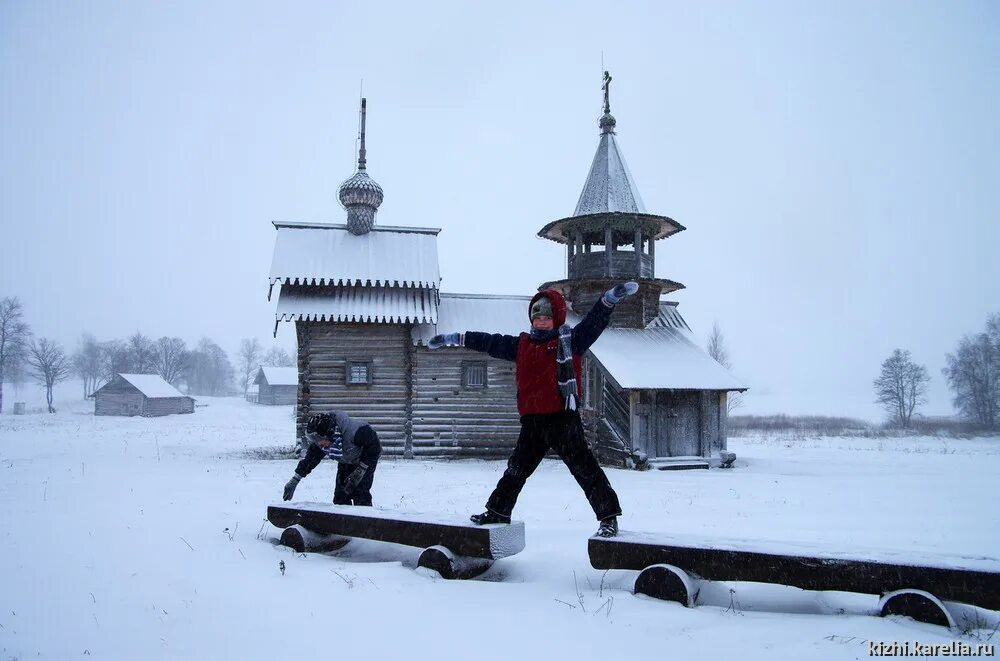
(922, 606)
(451, 566)
(506, 539)
(669, 583)
(282, 516)
(305, 541)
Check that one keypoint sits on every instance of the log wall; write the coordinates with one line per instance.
(118, 403)
(326, 348)
(167, 406)
(276, 395)
(460, 421)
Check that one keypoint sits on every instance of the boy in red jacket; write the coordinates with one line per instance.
(549, 387)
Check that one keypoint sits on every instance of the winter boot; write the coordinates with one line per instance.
(487, 517)
(609, 527)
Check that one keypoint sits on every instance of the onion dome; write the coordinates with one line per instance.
(360, 194)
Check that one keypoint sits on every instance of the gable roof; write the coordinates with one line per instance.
(277, 376)
(318, 254)
(152, 385)
(660, 357)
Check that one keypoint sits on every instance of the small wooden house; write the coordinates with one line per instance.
(277, 385)
(140, 394)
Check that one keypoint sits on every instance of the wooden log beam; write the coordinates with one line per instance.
(464, 539)
(947, 579)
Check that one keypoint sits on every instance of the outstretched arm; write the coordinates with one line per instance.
(496, 345)
(587, 331)
(499, 346)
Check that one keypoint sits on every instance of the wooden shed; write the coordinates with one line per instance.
(277, 385)
(140, 394)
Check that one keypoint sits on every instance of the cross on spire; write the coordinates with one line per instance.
(607, 90)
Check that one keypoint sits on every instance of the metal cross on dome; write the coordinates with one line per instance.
(607, 89)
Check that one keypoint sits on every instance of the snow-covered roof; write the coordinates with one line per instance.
(317, 254)
(461, 312)
(664, 355)
(278, 376)
(152, 385)
(609, 186)
(359, 304)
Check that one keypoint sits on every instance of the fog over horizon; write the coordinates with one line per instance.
(836, 165)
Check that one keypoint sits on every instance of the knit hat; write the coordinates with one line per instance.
(542, 307)
(321, 425)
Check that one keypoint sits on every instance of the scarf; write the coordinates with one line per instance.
(565, 374)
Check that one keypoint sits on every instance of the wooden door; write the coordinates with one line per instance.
(677, 422)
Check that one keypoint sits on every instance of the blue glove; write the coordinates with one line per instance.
(616, 294)
(446, 340)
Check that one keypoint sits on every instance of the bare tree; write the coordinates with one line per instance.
(901, 386)
(143, 353)
(717, 349)
(277, 357)
(49, 365)
(172, 358)
(16, 373)
(14, 334)
(973, 374)
(115, 359)
(87, 363)
(210, 372)
(248, 360)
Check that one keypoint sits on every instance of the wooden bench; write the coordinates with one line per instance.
(909, 584)
(455, 549)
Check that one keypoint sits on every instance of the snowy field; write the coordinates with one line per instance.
(132, 538)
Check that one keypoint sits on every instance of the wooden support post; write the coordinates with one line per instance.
(608, 249)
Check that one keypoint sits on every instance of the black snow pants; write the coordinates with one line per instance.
(563, 432)
(362, 495)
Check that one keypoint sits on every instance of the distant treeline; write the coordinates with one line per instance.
(818, 425)
(205, 369)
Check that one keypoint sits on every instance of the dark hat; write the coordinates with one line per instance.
(542, 307)
(322, 424)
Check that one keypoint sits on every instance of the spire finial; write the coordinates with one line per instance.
(607, 91)
(361, 153)
(607, 122)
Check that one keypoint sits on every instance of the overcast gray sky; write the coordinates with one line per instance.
(836, 163)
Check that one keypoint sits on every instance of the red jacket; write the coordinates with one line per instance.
(537, 382)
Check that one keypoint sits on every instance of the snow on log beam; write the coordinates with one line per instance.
(872, 573)
(461, 538)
